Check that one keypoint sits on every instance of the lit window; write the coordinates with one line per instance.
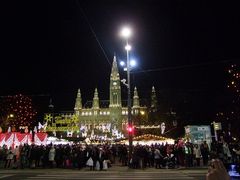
(90, 113)
(100, 112)
(104, 113)
(123, 112)
(83, 113)
(108, 112)
(86, 113)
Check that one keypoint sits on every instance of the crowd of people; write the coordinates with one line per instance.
(102, 157)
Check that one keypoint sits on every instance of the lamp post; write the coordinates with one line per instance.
(126, 33)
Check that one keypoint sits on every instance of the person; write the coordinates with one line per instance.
(205, 152)
(197, 154)
(100, 158)
(9, 158)
(51, 156)
(157, 158)
(217, 171)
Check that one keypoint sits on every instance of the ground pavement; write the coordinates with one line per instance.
(114, 173)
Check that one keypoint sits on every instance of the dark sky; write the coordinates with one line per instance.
(54, 47)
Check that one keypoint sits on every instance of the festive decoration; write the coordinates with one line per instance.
(35, 129)
(2, 139)
(42, 128)
(234, 83)
(21, 138)
(14, 139)
(148, 139)
(40, 138)
(230, 115)
(59, 122)
(56, 141)
(26, 130)
(9, 139)
(163, 127)
(148, 127)
(149, 136)
(17, 111)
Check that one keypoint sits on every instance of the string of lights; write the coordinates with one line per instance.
(234, 82)
(17, 111)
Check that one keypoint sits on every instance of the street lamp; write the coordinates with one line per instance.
(126, 33)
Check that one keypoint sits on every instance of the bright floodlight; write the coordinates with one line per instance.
(128, 47)
(122, 63)
(133, 63)
(126, 32)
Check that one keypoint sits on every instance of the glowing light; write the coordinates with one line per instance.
(234, 82)
(128, 47)
(142, 112)
(19, 109)
(122, 63)
(133, 63)
(130, 129)
(126, 32)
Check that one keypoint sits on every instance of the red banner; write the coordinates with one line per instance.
(20, 139)
(40, 138)
(9, 139)
(2, 139)
(16, 139)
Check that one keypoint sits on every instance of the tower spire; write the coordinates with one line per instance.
(114, 73)
(96, 100)
(115, 88)
(153, 99)
(135, 99)
(78, 102)
(115, 105)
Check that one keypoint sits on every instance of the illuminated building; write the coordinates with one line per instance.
(109, 119)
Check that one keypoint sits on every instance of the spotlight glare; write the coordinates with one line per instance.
(133, 63)
(122, 63)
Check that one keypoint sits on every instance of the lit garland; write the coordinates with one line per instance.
(150, 136)
(17, 111)
(234, 78)
(229, 116)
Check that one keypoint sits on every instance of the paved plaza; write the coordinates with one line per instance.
(116, 172)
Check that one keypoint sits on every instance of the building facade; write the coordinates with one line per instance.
(110, 119)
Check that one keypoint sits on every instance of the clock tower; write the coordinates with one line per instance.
(115, 105)
(115, 86)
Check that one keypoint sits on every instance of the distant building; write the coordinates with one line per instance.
(101, 116)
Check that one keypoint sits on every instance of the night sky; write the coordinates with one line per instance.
(50, 49)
